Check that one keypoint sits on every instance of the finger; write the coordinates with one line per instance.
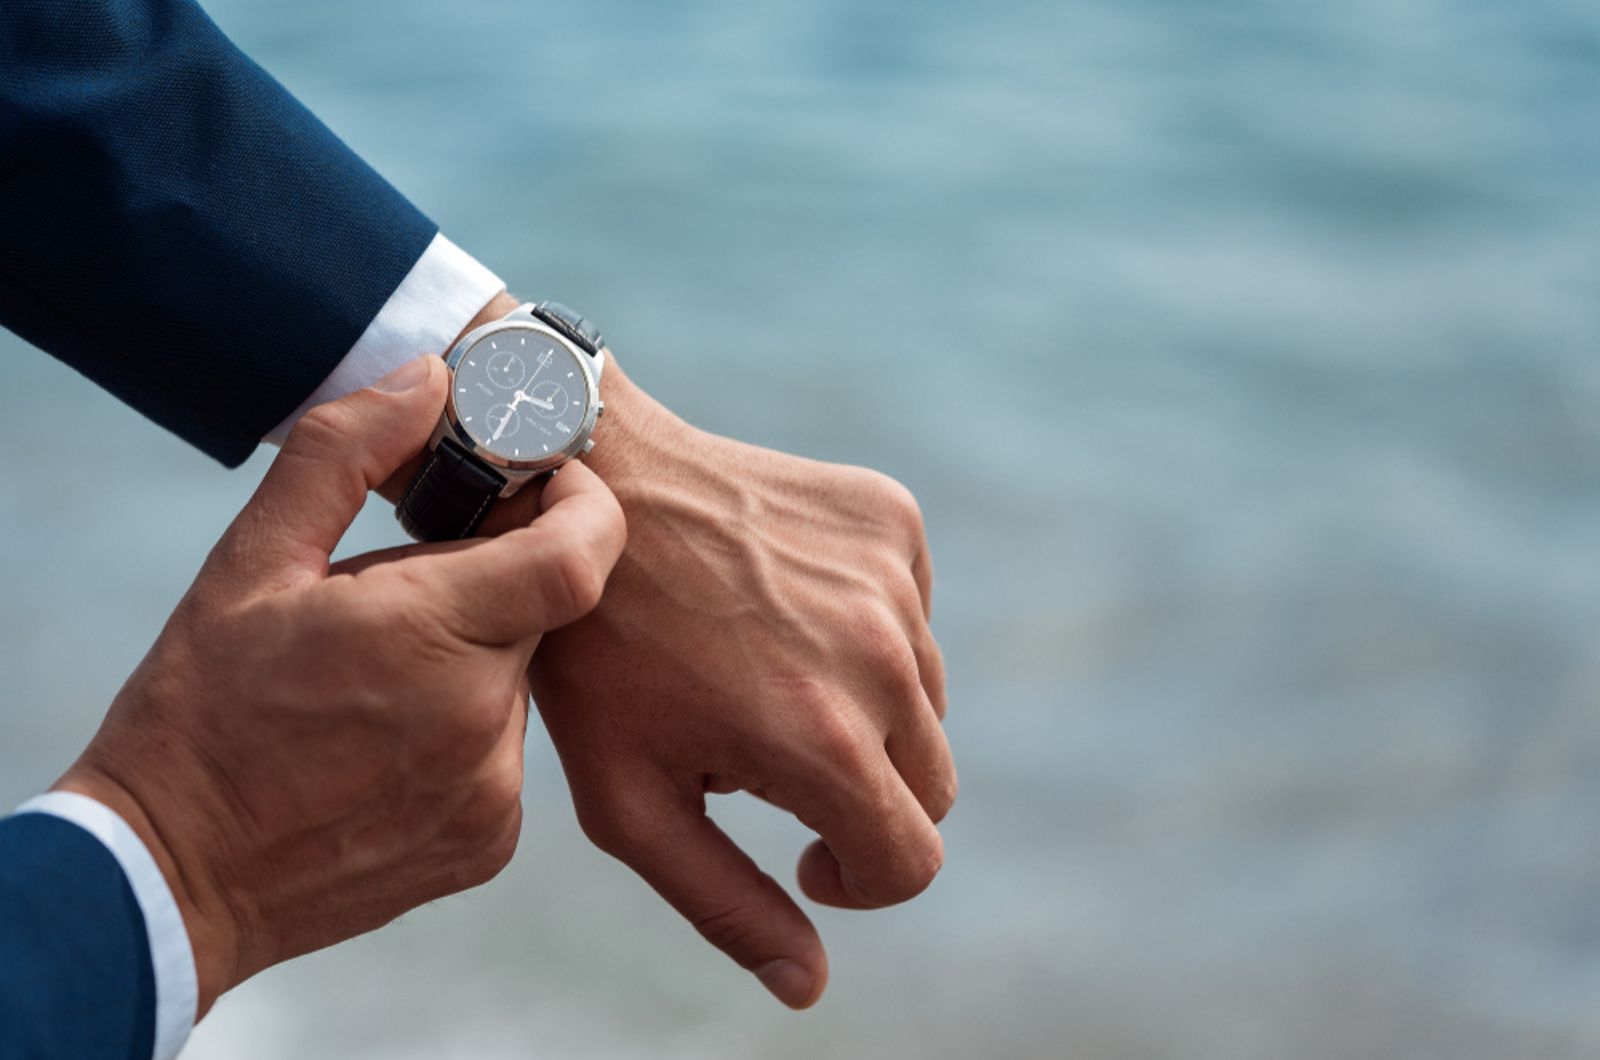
(528, 581)
(335, 454)
(667, 839)
(922, 573)
(899, 505)
(925, 650)
(369, 560)
(921, 755)
(930, 668)
(883, 847)
(912, 688)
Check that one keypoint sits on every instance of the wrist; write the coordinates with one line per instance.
(635, 431)
(633, 434)
(213, 936)
(497, 307)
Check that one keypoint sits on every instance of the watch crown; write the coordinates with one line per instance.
(588, 446)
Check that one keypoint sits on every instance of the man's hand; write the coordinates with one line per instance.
(311, 750)
(766, 630)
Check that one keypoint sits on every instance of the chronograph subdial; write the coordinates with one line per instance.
(503, 421)
(549, 399)
(506, 370)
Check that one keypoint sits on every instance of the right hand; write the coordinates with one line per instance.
(310, 750)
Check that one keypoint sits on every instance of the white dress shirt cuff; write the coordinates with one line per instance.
(444, 290)
(177, 991)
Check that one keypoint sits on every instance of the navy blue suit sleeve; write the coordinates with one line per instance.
(76, 979)
(175, 225)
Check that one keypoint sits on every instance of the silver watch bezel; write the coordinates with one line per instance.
(518, 472)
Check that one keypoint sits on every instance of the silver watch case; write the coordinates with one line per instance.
(518, 472)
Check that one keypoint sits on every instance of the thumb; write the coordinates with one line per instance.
(336, 453)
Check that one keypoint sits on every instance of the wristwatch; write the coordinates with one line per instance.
(524, 399)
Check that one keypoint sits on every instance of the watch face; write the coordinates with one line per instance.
(520, 394)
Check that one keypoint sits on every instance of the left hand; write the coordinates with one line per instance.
(766, 630)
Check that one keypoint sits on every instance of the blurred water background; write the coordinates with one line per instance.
(1246, 359)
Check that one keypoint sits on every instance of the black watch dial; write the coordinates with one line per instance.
(520, 394)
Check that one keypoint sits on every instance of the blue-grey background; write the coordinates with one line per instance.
(1268, 575)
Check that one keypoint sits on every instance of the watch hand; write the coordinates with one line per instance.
(544, 359)
(546, 405)
(511, 410)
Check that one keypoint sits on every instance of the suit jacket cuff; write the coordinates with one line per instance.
(444, 290)
(177, 991)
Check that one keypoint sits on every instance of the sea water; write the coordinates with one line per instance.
(1245, 358)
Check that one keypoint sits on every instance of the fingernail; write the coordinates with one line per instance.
(789, 982)
(405, 377)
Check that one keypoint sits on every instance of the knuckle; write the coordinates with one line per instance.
(879, 637)
(841, 742)
(887, 653)
(323, 428)
(893, 498)
(326, 434)
(943, 798)
(930, 661)
(732, 930)
(949, 791)
(901, 673)
(915, 869)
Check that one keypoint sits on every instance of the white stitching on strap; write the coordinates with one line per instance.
(472, 524)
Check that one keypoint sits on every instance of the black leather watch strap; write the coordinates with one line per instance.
(450, 495)
(571, 324)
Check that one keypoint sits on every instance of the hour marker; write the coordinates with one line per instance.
(468, 419)
(524, 341)
(569, 375)
(461, 390)
(547, 448)
(492, 346)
